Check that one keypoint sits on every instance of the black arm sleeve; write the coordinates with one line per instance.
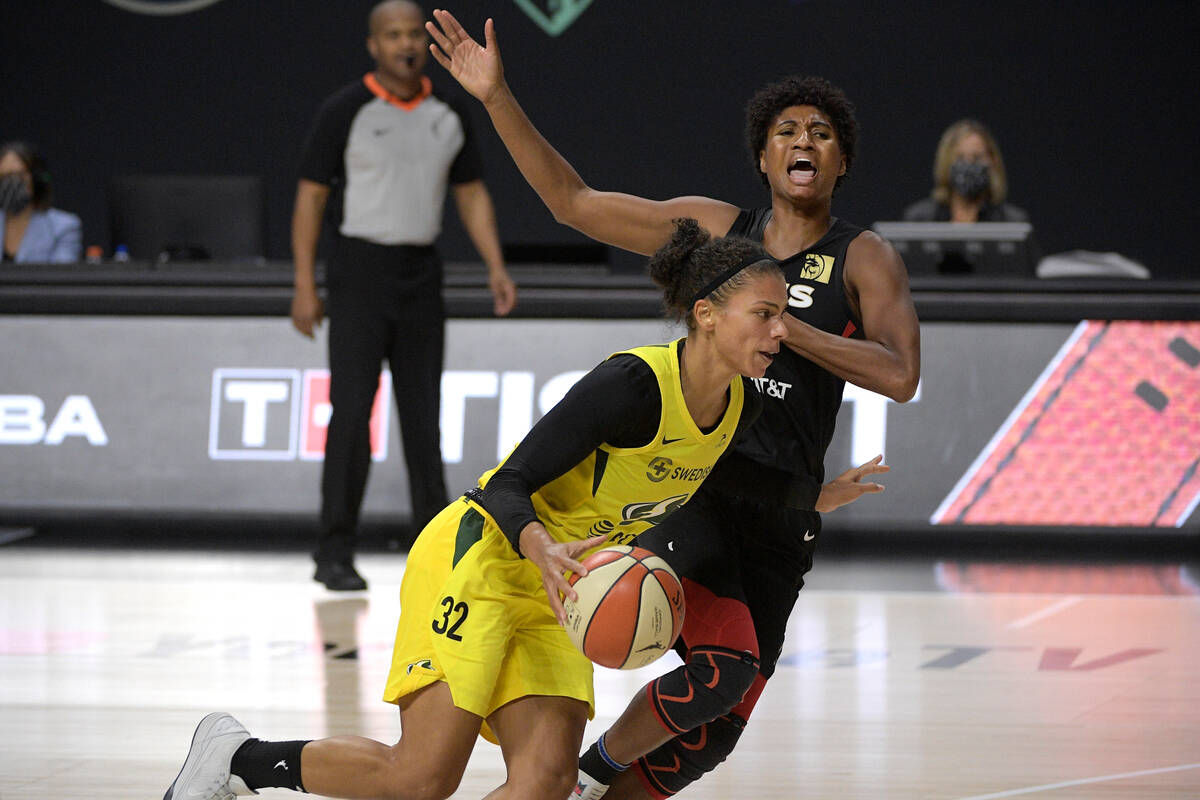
(617, 403)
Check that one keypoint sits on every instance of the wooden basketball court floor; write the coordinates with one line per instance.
(921, 678)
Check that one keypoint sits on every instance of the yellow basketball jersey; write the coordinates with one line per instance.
(620, 492)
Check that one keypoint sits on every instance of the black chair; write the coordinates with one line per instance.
(188, 217)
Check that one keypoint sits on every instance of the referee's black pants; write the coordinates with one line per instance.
(384, 303)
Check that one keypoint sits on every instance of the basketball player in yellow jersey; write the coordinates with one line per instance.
(480, 646)
(494, 637)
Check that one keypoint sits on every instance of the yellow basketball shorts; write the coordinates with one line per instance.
(475, 615)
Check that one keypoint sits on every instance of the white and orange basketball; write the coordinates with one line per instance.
(630, 607)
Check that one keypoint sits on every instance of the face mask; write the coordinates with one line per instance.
(969, 178)
(14, 194)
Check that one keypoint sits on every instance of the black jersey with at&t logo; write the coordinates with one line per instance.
(800, 398)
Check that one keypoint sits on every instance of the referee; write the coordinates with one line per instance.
(390, 146)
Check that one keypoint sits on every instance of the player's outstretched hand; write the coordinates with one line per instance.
(849, 486)
(478, 69)
(555, 559)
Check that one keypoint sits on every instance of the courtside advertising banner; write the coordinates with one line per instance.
(1046, 425)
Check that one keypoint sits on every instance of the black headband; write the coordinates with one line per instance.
(716, 282)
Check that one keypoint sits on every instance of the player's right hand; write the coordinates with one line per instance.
(478, 69)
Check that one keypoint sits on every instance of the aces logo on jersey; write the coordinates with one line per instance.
(817, 267)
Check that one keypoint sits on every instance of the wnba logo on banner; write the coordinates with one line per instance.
(277, 414)
(23, 420)
(161, 8)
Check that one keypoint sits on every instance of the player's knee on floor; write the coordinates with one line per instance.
(711, 682)
(684, 759)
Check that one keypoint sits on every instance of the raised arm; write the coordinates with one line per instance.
(623, 220)
(888, 360)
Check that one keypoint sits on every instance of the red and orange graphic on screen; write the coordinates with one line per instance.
(1109, 435)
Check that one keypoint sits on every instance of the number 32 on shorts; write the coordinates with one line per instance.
(455, 614)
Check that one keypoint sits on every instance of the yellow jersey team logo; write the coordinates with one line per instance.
(424, 663)
(817, 267)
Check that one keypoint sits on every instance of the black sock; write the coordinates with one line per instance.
(260, 764)
(599, 764)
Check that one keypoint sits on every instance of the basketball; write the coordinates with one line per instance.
(630, 607)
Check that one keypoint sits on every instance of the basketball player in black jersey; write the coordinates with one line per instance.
(745, 542)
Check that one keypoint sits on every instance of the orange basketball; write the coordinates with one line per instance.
(630, 607)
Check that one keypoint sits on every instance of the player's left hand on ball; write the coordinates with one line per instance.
(555, 560)
(575, 550)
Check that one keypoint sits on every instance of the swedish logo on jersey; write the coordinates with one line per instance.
(659, 468)
(817, 267)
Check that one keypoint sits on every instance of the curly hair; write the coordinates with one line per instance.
(692, 258)
(797, 90)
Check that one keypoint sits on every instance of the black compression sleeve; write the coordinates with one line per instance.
(617, 403)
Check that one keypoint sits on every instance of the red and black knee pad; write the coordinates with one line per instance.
(683, 760)
(709, 684)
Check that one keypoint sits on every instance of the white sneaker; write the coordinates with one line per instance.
(205, 772)
(588, 788)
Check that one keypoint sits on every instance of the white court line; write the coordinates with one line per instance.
(1025, 622)
(1080, 782)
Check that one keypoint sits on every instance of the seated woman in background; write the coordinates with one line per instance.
(30, 230)
(969, 182)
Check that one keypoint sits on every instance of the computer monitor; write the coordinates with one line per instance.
(187, 217)
(999, 249)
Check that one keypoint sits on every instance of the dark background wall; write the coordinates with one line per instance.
(1093, 102)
